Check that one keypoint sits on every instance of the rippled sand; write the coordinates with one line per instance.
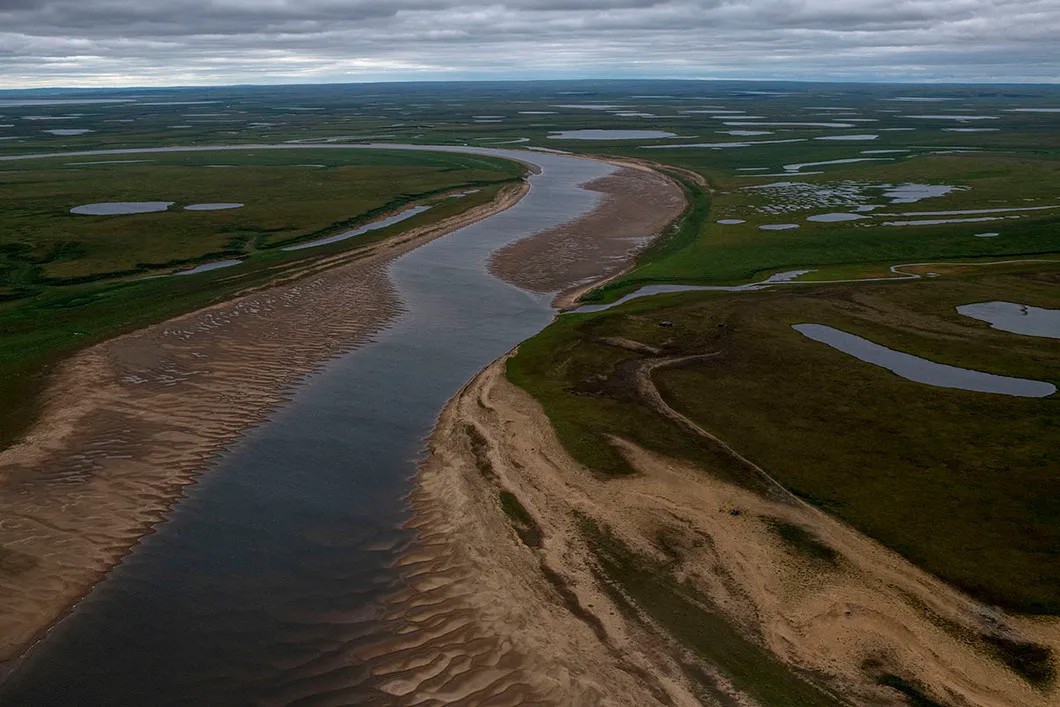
(542, 625)
(637, 204)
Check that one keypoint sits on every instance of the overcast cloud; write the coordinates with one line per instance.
(182, 42)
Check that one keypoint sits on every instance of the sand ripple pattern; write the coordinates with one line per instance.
(637, 205)
(871, 611)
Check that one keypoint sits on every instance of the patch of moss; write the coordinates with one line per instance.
(914, 694)
(525, 525)
(1030, 660)
(694, 623)
(803, 541)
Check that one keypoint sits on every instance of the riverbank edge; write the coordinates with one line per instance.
(859, 624)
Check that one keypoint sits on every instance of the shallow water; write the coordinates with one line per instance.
(207, 267)
(849, 160)
(723, 145)
(912, 193)
(942, 221)
(738, 123)
(85, 164)
(374, 226)
(959, 118)
(971, 212)
(1015, 318)
(834, 218)
(113, 208)
(778, 226)
(275, 567)
(213, 207)
(610, 135)
(848, 137)
(920, 370)
(26, 102)
(651, 290)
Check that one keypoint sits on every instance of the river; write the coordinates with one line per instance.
(275, 566)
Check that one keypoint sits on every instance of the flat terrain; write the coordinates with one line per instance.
(957, 481)
(70, 280)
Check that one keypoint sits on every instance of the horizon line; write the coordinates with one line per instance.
(925, 82)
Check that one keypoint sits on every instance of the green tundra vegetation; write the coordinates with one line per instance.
(838, 432)
(69, 280)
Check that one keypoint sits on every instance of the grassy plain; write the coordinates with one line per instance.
(69, 280)
(959, 482)
(724, 254)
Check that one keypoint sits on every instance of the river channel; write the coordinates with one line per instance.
(275, 566)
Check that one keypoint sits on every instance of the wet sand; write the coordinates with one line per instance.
(638, 204)
(542, 625)
(128, 423)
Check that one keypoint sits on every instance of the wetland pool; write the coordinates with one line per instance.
(921, 370)
(610, 135)
(115, 208)
(1015, 318)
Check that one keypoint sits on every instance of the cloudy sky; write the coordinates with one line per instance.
(183, 42)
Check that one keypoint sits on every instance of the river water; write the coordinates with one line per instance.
(275, 566)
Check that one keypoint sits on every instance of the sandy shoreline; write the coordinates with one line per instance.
(873, 613)
(128, 423)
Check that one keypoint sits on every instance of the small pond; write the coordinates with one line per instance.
(111, 208)
(212, 207)
(833, 218)
(611, 135)
(1015, 318)
(920, 370)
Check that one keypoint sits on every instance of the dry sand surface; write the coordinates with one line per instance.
(128, 423)
(542, 626)
(637, 205)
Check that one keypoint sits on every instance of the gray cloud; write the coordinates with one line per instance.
(167, 42)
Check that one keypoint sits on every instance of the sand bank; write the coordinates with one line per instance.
(637, 205)
(544, 624)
